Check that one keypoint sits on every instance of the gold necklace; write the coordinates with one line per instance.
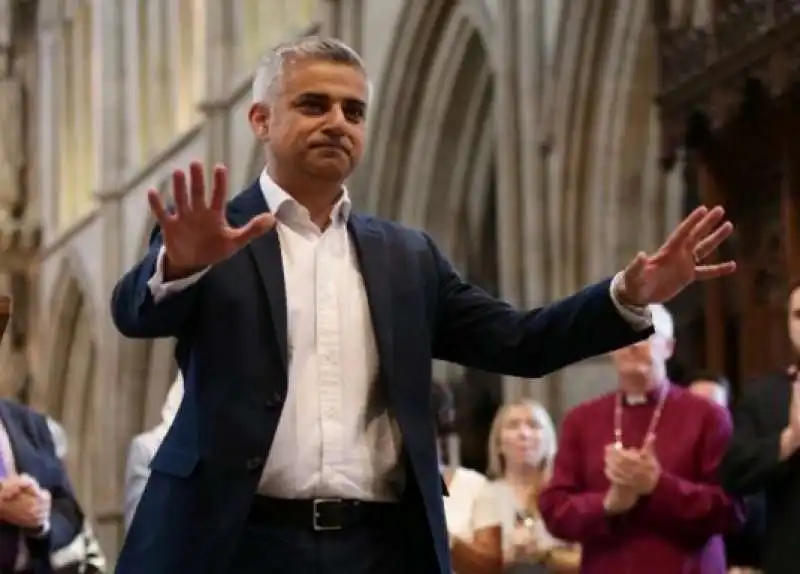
(651, 429)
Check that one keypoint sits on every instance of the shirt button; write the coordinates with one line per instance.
(254, 463)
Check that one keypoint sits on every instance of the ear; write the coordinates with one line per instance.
(259, 115)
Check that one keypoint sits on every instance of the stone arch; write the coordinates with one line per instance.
(70, 377)
(604, 131)
(432, 144)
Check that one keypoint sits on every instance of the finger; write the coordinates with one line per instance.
(708, 245)
(706, 272)
(684, 229)
(649, 444)
(705, 226)
(219, 189)
(636, 266)
(179, 193)
(157, 207)
(197, 185)
(255, 227)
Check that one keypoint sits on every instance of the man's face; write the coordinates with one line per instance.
(315, 123)
(794, 319)
(642, 364)
(710, 390)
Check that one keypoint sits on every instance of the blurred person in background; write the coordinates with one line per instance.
(764, 455)
(711, 386)
(143, 448)
(522, 447)
(39, 514)
(472, 550)
(743, 547)
(83, 555)
(635, 477)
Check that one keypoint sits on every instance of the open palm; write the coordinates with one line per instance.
(196, 233)
(678, 262)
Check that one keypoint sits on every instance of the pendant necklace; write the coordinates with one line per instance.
(651, 429)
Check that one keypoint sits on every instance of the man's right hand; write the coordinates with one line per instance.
(197, 235)
(790, 437)
(619, 499)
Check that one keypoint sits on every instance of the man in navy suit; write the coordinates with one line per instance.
(38, 511)
(304, 442)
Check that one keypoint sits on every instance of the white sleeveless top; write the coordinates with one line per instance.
(465, 486)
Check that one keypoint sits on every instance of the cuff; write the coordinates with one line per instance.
(666, 492)
(603, 522)
(160, 289)
(40, 532)
(638, 317)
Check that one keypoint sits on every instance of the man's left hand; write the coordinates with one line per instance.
(638, 470)
(679, 261)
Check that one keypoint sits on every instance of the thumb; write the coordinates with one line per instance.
(636, 266)
(256, 227)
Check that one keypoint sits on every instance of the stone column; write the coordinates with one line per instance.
(110, 439)
(222, 62)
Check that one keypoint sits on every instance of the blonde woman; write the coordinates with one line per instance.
(522, 446)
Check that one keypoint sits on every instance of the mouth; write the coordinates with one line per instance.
(330, 147)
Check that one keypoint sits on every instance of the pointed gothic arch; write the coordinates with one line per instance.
(432, 143)
(68, 388)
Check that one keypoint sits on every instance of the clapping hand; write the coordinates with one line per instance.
(23, 502)
(197, 233)
(632, 474)
(679, 261)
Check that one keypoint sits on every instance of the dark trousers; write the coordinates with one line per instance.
(388, 547)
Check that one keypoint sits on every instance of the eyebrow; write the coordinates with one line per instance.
(318, 97)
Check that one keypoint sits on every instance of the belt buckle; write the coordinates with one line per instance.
(316, 504)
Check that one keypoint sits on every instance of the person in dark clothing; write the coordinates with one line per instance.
(764, 455)
(742, 547)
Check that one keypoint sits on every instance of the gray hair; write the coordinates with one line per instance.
(311, 47)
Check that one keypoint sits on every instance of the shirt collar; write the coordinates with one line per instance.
(650, 397)
(277, 198)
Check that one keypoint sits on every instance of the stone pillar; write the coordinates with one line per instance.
(221, 50)
(110, 440)
(343, 19)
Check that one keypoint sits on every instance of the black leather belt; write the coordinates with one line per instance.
(321, 514)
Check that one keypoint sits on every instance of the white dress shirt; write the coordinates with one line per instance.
(335, 437)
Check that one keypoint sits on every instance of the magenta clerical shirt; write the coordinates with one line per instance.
(675, 530)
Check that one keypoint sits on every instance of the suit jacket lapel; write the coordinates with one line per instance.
(373, 254)
(266, 253)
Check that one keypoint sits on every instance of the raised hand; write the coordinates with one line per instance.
(679, 261)
(196, 234)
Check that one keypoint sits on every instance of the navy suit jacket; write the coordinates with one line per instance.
(232, 349)
(35, 454)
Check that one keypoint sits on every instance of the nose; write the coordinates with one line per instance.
(335, 126)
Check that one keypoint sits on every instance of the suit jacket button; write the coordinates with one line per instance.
(254, 463)
(275, 400)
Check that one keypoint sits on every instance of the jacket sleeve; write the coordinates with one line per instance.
(569, 511)
(136, 313)
(66, 517)
(697, 508)
(474, 329)
(752, 461)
